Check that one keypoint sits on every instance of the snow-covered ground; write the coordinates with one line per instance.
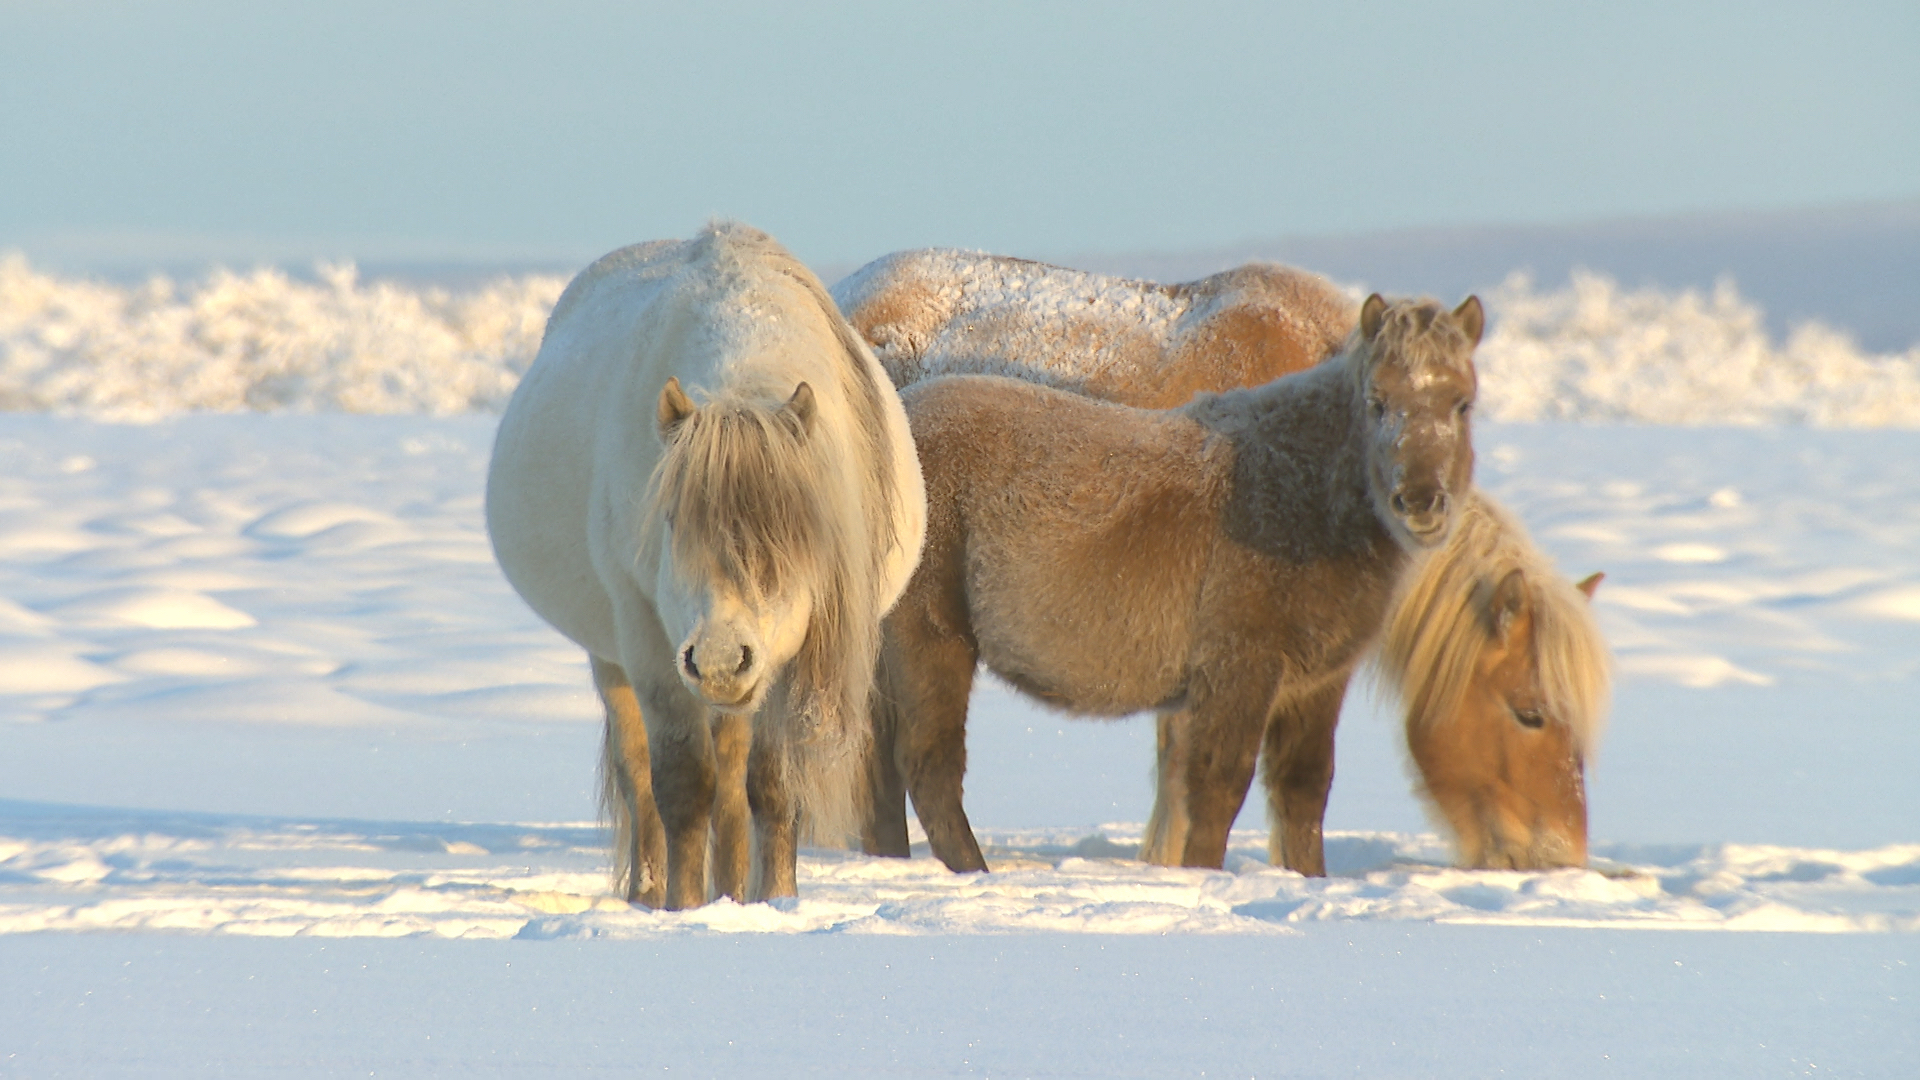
(259, 678)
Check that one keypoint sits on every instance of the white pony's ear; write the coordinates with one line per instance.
(1371, 314)
(1508, 600)
(1591, 582)
(1472, 317)
(801, 407)
(675, 407)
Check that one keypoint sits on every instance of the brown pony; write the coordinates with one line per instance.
(1508, 726)
(1231, 560)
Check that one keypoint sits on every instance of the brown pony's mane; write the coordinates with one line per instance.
(1413, 331)
(1438, 626)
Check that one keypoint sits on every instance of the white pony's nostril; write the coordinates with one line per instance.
(746, 660)
(693, 669)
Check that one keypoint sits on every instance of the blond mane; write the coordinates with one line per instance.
(1438, 626)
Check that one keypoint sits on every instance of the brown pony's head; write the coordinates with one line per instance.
(1416, 394)
(1504, 676)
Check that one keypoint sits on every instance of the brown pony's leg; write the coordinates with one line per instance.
(1223, 743)
(1166, 837)
(930, 740)
(640, 846)
(732, 820)
(1297, 760)
(775, 822)
(885, 832)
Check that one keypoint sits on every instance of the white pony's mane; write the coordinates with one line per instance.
(1438, 626)
(761, 504)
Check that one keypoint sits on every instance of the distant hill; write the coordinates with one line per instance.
(1855, 268)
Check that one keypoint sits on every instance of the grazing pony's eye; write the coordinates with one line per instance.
(1377, 407)
(1464, 409)
(1530, 718)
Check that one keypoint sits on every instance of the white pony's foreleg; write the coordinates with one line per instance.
(1166, 836)
(685, 782)
(776, 815)
(680, 746)
(732, 819)
(626, 791)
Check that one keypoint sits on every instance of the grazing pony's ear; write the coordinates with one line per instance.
(1508, 600)
(675, 407)
(1472, 317)
(1590, 583)
(800, 409)
(1371, 314)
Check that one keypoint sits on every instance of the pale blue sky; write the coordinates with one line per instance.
(498, 131)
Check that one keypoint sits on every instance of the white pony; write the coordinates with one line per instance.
(706, 480)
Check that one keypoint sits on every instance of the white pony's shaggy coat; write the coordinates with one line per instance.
(571, 506)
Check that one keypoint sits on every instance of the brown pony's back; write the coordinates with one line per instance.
(942, 312)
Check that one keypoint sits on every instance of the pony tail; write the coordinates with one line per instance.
(617, 814)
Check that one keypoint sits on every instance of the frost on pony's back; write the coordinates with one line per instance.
(706, 480)
(1142, 343)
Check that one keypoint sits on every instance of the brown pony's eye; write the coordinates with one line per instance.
(1465, 409)
(1530, 718)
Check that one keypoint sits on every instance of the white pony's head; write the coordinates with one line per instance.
(747, 541)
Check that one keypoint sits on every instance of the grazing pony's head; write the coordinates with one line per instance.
(1414, 363)
(1504, 677)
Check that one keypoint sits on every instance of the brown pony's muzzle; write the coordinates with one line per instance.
(1425, 515)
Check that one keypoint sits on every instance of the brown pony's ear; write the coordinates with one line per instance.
(1371, 314)
(1591, 582)
(1508, 600)
(1473, 318)
(801, 408)
(675, 407)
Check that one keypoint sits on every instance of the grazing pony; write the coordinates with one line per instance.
(707, 482)
(1519, 710)
(1232, 559)
(1503, 677)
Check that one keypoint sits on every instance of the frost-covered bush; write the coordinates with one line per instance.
(262, 341)
(1595, 351)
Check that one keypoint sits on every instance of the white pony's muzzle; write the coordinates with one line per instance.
(724, 669)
